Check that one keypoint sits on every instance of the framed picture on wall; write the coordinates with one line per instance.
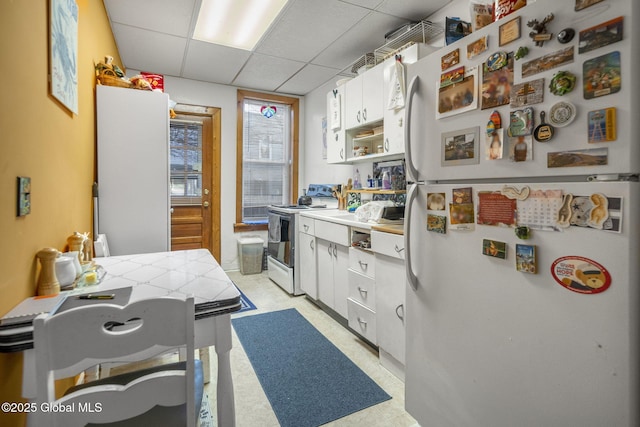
(63, 52)
(458, 97)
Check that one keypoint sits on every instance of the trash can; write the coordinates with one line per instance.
(250, 250)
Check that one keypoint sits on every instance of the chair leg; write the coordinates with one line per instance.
(204, 355)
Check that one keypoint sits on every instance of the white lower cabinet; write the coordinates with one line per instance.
(332, 265)
(307, 269)
(362, 320)
(390, 305)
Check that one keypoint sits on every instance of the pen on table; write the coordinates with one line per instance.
(93, 296)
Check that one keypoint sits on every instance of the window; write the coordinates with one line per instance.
(186, 162)
(267, 166)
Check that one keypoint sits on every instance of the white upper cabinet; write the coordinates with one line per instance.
(394, 117)
(364, 98)
(336, 125)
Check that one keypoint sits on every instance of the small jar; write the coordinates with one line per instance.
(380, 149)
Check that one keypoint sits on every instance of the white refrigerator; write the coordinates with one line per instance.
(133, 170)
(523, 280)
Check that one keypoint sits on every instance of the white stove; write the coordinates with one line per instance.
(283, 231)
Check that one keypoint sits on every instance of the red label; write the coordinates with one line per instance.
(504, 7)
(582, 275)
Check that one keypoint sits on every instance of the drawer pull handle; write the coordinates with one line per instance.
(400, 309)
(363, 265)
(311, 245)
(398, 250)
(306, 228)
(363, 292)
(335, 251)
(363, 323)
(329, 249)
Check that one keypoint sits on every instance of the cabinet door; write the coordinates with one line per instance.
(324, 256)
(336, 135)
(307, 270)
(393, 119)
(390, 305)
(372, 94)
(341, 278)
(353, 102)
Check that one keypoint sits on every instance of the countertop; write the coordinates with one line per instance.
(349, 219)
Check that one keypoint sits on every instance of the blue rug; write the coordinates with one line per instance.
(307, 379)
(245, 302)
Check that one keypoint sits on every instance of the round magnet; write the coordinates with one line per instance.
(566, 35)
(562, 113)
(523, 232)
(497, 61)
(562, 83)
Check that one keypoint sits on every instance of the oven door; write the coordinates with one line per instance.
(281, 237)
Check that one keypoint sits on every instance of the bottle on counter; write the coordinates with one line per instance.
(386, 181)
(356, 180)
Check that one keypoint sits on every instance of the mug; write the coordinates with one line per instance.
(65, 270)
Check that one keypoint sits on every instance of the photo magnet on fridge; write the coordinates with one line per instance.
(437, 223)
(602, 75)
(526, 258)
(495, 249)
(602, 125)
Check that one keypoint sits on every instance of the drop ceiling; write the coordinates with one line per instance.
(310, 42)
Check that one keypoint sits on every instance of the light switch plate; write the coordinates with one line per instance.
(24, 195)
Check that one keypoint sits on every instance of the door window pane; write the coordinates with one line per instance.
(186, 162)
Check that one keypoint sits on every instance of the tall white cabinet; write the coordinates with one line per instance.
(133, 169)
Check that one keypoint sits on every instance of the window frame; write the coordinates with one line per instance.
(294, 104)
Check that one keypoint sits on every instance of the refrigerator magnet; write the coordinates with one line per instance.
(521, 122)
(581, 275)
(601, 75)
(494, 248)
(526, 259)
(437, 223)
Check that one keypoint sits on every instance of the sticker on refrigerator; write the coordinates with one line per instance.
(580, 274)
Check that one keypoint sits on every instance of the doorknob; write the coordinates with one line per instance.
(205, 204)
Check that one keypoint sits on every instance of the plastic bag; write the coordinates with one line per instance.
(397, 92)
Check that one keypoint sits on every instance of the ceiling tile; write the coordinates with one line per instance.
(369, 4)
(213, 63)
(164, 16)
(266, 72)
(365, 37)
(148, 50)
(307, 27)
(413, 10)
(307, 79)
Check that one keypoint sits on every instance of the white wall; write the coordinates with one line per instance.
(316, 169)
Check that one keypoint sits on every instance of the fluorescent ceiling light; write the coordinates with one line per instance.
(236, 23)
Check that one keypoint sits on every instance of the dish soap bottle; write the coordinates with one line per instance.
(356, 180)
(386, 181)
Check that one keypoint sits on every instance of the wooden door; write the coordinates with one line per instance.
(195, 179)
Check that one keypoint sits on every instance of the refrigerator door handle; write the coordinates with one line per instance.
(411, 277)
(412, 171)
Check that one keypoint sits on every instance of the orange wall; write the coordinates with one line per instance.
(41, 139)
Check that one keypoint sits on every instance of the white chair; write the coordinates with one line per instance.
(70, 342)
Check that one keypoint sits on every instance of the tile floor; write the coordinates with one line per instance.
(252, 406)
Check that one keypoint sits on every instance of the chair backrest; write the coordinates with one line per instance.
(67, 343)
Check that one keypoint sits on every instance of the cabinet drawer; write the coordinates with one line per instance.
(387, 244)
(362, 262)
(336, 233)
(362, 289)
(362, 320)
(306, 225)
